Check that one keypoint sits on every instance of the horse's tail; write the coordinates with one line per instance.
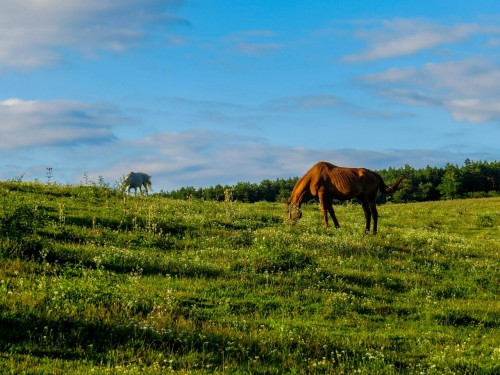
(147, 181)
(390, 189)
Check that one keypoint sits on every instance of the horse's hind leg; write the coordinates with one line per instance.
(373, 209)
(366, 210)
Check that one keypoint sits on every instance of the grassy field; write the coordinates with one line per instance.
(92, 281)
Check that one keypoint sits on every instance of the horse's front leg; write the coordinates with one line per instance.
(324, 208)
(332, 214)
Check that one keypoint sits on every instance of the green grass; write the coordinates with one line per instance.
(91, 281)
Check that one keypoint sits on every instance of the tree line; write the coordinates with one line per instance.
(472, 179)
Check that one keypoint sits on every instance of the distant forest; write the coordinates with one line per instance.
(472, 179)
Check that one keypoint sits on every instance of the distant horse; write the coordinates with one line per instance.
(137, 180)
(327, 182)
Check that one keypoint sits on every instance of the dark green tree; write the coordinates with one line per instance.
(451, 183)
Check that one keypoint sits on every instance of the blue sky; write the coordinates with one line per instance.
(206, 92)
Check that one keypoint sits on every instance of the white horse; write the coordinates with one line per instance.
(137, 180)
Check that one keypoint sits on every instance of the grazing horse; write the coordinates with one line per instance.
(137, 180)
(327, 182)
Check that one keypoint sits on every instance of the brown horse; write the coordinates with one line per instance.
(327, 182)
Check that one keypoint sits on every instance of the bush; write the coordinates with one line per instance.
(20, 228)
(24, 220)
(485, 221)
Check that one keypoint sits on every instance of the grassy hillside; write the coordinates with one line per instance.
(91, 281)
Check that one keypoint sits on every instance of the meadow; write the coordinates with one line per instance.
(92, 281)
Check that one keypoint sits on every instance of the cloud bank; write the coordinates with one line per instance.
(55, 123)
(200, 158)
(36, 33)
(404, 37)
(468, 89)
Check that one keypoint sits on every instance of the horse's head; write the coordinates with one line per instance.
(293, 212)
(125, 180)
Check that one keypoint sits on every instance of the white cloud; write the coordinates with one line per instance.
(404, 37)
(474, 110)
(471, 77)
(468, 89)
(34, 32)
(55, 122)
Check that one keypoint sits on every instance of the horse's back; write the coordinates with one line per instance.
(346, 182)
(343, 182)
(134, 179)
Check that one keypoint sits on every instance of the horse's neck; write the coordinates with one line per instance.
(299, 192)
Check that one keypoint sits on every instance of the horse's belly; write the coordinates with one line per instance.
(344, 196)
(345, 193)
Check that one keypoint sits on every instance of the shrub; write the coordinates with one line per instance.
(485, 221)
(23, 220)
(20, 228)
